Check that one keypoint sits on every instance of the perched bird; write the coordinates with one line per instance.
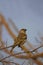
(20, 40)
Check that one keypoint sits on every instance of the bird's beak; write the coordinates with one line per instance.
(25, 29)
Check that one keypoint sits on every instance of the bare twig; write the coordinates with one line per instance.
(9, 62)
(6, 47)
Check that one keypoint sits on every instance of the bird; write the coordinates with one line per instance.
(20, 39)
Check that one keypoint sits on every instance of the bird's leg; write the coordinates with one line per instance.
(12, 48)
(21, 43)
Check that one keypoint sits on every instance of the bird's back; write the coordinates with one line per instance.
(21, 37)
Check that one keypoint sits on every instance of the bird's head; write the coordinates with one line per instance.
(23, 30)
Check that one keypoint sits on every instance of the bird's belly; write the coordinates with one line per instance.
(21, 43)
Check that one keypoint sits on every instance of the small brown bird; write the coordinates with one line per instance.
(20, 40)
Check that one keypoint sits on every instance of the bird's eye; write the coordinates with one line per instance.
(25, 29)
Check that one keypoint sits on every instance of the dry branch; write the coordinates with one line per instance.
(7, 27)
(29, 55)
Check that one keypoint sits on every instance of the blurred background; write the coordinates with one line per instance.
(25, 14)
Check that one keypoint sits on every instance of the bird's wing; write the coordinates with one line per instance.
(16, 29)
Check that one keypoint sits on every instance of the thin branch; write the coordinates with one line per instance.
(29, 56)
(9, 62)
(6, 47)
(25, 56)
(38, 62)
(37, 48)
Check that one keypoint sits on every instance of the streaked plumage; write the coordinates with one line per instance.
(21, 39)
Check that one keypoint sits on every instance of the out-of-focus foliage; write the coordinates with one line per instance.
(24, 56)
